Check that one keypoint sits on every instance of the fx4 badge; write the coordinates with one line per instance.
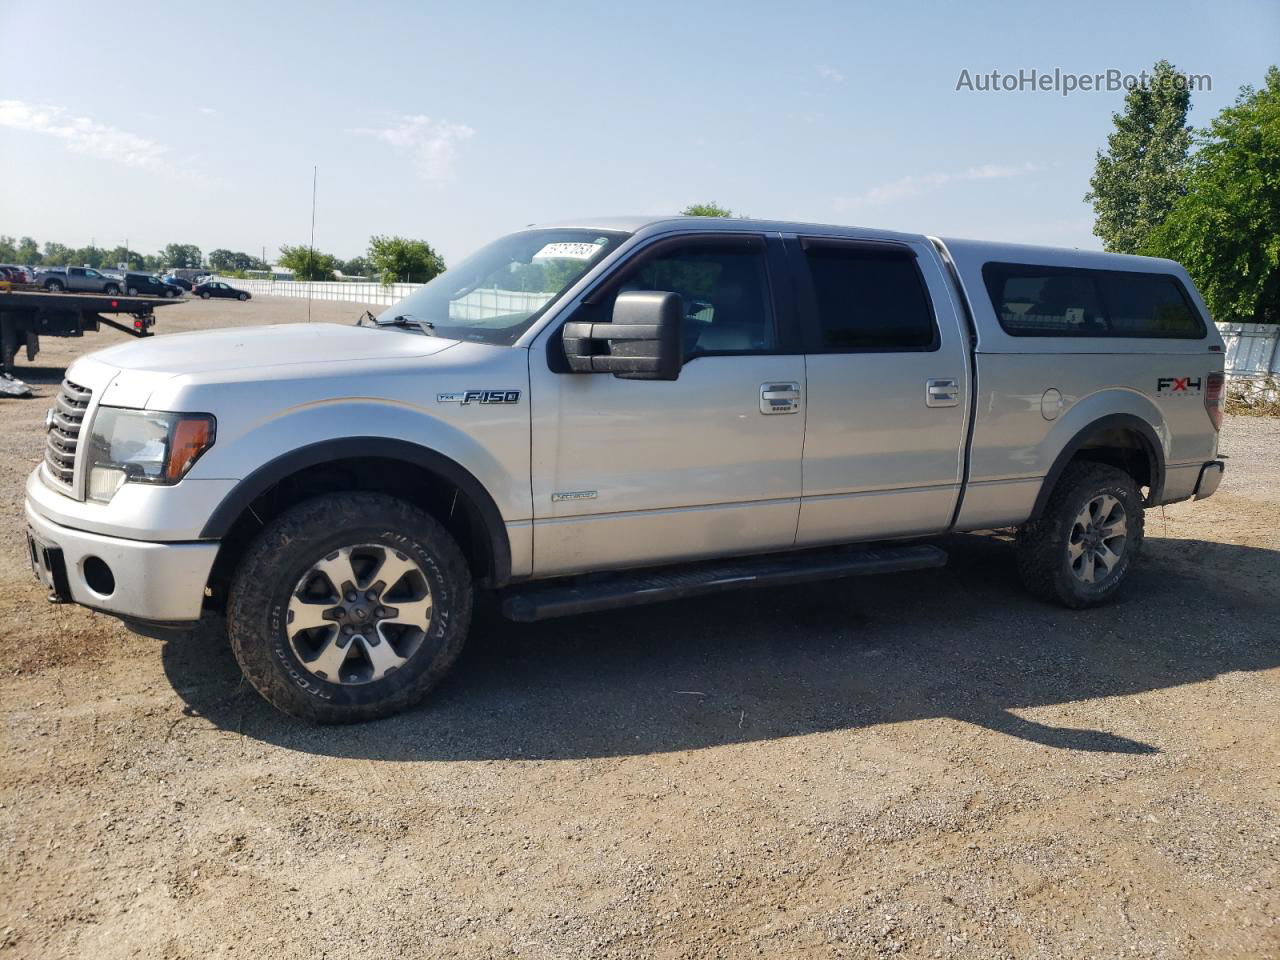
(465, 397)
(1183, 385)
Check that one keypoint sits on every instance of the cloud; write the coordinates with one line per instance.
(911, 186)
(88, 137)
(433, 144)
(210, 111)
(829, 73)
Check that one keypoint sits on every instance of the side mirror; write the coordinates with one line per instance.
(645, 341)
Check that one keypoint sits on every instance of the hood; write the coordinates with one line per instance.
(240, 348)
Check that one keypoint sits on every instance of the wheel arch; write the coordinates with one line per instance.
(1120, 439)
(418, 474)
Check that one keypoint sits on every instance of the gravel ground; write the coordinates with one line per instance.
(922, 765)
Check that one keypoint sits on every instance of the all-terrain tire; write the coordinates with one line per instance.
(1043, 546)
(289, 546)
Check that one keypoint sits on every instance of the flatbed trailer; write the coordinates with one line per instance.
(27, 315)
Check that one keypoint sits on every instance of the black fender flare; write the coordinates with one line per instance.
(1123, 421)
(326, 451)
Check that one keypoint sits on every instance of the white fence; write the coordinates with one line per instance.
(1253, 349)
(374, 293)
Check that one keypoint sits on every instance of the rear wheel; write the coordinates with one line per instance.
(1081, 549)
(204, 295)
(133, 291)
(349, 607)
(54, 286)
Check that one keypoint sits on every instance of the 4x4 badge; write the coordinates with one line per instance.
(465, 397)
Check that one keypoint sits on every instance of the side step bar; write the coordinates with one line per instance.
(608, 591)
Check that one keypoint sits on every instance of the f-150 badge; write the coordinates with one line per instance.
(465, 397)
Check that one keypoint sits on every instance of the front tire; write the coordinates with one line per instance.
(242, 297)
(349, 607)
(111, 290)
(1084, 544)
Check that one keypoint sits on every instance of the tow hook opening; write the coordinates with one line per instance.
(98, 576)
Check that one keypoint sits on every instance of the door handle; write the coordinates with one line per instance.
(941, 392)
(779, 398)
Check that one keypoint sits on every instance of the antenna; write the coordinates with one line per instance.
(311, 253)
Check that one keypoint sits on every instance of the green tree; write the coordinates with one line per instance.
(56, 255)
(133, 258)
(308, 264)
(28, 252)
(1226, 228)
(712, 209)
(182, 255)
(234, 261)
(8, 250)
(400, 260)
(356, 267)
(89, 257)
(1143, 172)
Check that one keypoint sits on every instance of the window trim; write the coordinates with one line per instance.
(807, 298)
(1094, 274)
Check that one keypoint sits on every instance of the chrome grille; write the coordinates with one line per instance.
(65, 420)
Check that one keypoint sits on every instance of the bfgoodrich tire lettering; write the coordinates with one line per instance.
(1093, 507)
(293, 544)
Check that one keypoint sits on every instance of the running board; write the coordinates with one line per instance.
(587, 594)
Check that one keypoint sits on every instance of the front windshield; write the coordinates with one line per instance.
(496, 293)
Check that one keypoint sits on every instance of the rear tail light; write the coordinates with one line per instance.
(1213, 398)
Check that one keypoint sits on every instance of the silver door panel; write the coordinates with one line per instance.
(875, 514)
(576, 544)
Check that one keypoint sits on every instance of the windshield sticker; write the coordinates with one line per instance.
(568, 251)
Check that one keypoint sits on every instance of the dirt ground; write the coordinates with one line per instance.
(920, 765)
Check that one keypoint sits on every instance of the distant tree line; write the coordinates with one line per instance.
(391, 259)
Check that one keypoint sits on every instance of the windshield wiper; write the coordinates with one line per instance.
(408, 320)
(367, 315)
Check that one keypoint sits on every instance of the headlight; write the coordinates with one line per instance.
(143, 446)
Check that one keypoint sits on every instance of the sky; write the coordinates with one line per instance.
(455, 123)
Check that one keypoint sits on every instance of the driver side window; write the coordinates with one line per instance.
(725, 295)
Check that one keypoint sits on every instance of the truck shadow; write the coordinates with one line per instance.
(963, 642)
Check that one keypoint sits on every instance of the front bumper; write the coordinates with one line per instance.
(162, 582)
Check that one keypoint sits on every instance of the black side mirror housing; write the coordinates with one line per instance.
(645, 341)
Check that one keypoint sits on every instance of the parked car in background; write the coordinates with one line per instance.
(177, 281)
(149, 285)
(77, 279)
(14, 273)
(216, 288)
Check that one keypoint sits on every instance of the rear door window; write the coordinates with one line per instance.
(867, 297)
(1034, 301)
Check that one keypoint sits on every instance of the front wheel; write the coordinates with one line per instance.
(349, 607)
(1081, 549)
(112, 290)
(243, 296)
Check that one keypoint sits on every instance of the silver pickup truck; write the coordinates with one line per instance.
(77, 280)
(617, 412)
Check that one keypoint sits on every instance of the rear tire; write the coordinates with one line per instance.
(377, 647)
(54, 286)
(1081, 549)
(205, 295)
(133, 291)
